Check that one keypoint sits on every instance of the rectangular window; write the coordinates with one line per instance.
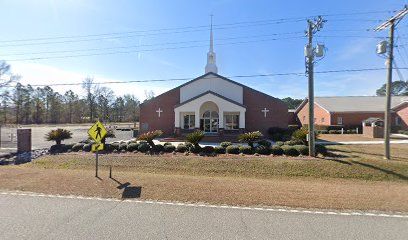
(189, 121)
(304, 118)
(231, 121)
(339, 121)
(322, 120)
(397, 121)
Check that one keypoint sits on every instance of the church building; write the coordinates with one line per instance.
(214, 104)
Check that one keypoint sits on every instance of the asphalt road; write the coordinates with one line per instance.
(34, 217)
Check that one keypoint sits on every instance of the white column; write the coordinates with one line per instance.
(197, 118)
(242, 118)
(220, 118)
(176, 118)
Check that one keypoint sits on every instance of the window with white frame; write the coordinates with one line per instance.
(322, 120)
(231, 121)
(189, 121)
(339, 120)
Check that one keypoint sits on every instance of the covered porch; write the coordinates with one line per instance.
(211, 113)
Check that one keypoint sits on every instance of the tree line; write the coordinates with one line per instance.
(25, 104)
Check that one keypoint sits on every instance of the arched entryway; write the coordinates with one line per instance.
(209, 117)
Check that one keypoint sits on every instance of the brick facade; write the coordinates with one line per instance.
(402, 113)
(255, 119)
(321, 115)
(254, 102)
(149, 117)
(350, 119)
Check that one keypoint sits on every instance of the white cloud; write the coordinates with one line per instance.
(41, 74)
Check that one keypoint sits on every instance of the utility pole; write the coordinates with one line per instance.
(310, 52)
(387, 118)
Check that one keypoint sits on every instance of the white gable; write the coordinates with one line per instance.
(212, 83)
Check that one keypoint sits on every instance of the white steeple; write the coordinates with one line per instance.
(211, 66)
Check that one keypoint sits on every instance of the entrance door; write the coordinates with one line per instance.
(210, 122)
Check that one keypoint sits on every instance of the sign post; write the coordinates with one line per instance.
(97, 132)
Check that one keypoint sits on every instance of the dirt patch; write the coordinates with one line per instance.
(290, 192)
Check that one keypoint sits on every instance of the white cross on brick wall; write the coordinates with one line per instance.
(265, 111)
(159, 111)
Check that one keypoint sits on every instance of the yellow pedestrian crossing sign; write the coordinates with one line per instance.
(97, 147)
(97, 131)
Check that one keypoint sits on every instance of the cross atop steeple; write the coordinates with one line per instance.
(211, 66)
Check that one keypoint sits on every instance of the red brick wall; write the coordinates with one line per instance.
(319, 113)
(166, 103)
(292, 119)
(402, 112)
(354, 118)
(255, 120)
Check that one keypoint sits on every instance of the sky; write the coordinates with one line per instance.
(64, 41)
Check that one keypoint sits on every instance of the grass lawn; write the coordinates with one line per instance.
(357, 178)
(353, 137)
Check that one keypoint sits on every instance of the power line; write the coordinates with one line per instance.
(149, 45)
(299, 74)
(177, 29)
(146, 50)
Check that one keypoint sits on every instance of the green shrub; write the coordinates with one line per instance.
(232, 149)
(324, 132)
(321, 149)
(58, 135)
(181, 148)
(277, 137)
(219, 150)
(353, 131)
(195, 137)
(131, 141)
(77, 147)
(279, 143)
(158, 148)
(143, 147)
(263, 150)
(149, 136)
(122, 146)
(250, 137)
(188, 145)
(294, 142)
(265, 143)
(245, 150)
(167, 143)
(332, 131)
(87, 147)
(57, 148)
(290, 151)
(169, 148)
(195, 149)
(302, 149)
(115, 146)
(300, 135)
(225, 144)
(132, 147)
(207, 149)
(276, 150)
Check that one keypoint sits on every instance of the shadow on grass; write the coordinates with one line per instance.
(341, 161)
(128, 190)
(400, 176)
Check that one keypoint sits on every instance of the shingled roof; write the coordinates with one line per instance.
(356, 103)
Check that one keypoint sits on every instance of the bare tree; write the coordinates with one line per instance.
(6, 77)
(88, 86)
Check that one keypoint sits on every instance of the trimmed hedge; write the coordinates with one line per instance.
(195, 149)
(263, 150)
(87, 147)
(77, 147)
(290, 151)
(181, 148)
(245, 150)
(219, 150)
(265, 143)
(207, 149)
(122, 146)
(143, 147)
(169, 148)
(277, 150)
(279, 143)
(232, 149)
(132, 147)
(302, 149)
(158, 148)
(225, 144)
